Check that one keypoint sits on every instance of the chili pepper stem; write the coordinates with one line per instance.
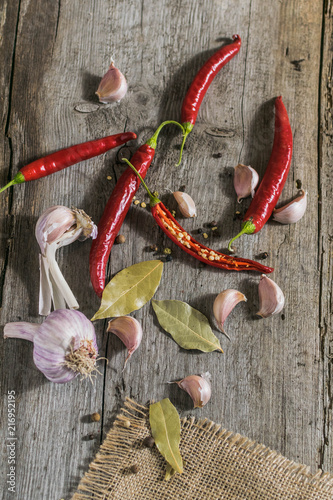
(188, 127)
(152, 142)
(18, 179)
(153, 199)
(247, 228)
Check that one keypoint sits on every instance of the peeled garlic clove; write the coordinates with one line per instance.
(293, 211)
(185, 203)
(271, 298)
(129, 331)
(245, 181)
(113, 86)
(198, 387)
(224, 304)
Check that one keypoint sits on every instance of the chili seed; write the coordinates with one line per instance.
(134, 198)
(109, 178)
(143, 205)
(173, 213)
(136, 202)
(149, 442)
(167, 251)
(214, 228)
(95, 417)
(120, 239)
(298, 184)
(205, 235)
(134, 468)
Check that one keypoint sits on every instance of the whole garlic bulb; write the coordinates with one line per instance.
(64, 345)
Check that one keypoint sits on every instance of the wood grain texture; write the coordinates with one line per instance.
(274, 381)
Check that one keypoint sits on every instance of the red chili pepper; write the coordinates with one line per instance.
(202, 81)
(185, 241)
(66, 157)
(116, 210)
(275, 176)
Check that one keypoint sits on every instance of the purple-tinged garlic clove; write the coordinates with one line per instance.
(186, 204)
(129, 331)
(198, 388)
(293, 211)
(245, 181)
(113, 86)
(225, 303)
(271, 298)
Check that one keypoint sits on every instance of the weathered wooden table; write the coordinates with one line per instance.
(274, 381)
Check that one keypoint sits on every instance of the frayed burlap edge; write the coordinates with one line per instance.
(132, 426)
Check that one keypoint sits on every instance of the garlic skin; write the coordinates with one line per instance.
(245, 181)
(64, 345)
(224, 304)
(129, 331)
(56, 227)
(198, 387)
(186, 204)
(112, 87)
(271, 298)
(293, 211)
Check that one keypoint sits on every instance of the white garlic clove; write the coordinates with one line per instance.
(113, 86)
(293, 211)
(186, 204)
(129, 331)
(245, 181)
(224, 304)
(198, 387)
(271, 298)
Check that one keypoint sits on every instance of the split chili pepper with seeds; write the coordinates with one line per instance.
(69, 156)
(116, 209)
(185, 241)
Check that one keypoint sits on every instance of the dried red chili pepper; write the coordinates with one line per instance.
(69, 156)
(117, 208)
(275, 176)
(202, 81)
(185, 241)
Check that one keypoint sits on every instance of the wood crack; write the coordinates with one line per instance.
(243, 91)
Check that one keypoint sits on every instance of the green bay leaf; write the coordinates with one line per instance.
(130, 289)
(187, 326)
(165, 428)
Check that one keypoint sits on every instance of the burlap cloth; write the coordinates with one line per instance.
(218, 465)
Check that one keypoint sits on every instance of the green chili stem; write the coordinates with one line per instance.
(153, 199)
(247, 228)
(18, 179)
(152, 142)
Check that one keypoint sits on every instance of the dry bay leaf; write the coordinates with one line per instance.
(187, 326)
(130, 289)
(165, 428)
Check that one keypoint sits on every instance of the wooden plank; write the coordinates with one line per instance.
(273, 381)
(325, 182)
